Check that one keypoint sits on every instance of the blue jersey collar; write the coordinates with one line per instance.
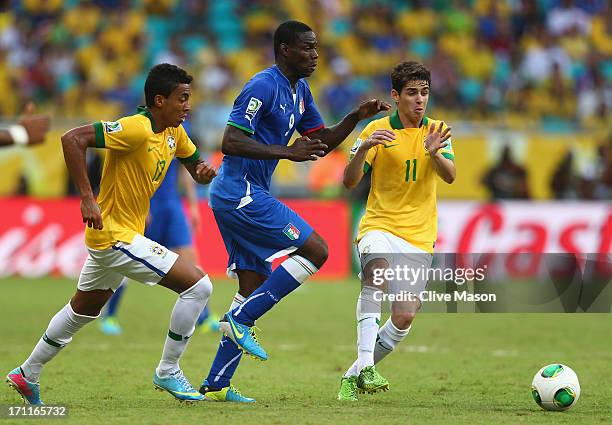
(279, 72)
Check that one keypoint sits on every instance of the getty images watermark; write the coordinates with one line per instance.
(408, 283)
(490, 282)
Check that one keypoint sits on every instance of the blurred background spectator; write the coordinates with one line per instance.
(506, 179)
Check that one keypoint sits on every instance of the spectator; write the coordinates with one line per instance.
(566, 16)
(507, 179)
(563, 181)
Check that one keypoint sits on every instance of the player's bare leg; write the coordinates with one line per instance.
(404, 312)
(314, 249)
(90, 303)
(249, 281)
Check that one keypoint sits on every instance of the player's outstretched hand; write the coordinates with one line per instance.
(304, 149)
(90, 211)
(371, 107)
(379, 137)
(36, 126)
(437, 139)
(204, 172)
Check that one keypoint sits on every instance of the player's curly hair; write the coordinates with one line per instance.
(287, 33)
(409, 71)
(163, 79)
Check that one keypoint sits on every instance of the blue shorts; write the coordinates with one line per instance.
(260, 232)
(169, 225)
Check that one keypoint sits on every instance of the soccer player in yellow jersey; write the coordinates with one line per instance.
(406, 152)
(140, 147)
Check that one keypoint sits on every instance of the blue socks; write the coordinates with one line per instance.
(227, 358)
(287, 277)
(284, 280)
(225, 364)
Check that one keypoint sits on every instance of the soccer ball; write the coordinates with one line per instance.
(555, 387)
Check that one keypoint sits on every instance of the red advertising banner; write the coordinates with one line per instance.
(525, 227)
(39, 237)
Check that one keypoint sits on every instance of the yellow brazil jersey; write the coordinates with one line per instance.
(402, 198)
(134, 167)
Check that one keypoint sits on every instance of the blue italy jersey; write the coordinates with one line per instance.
(268, 110)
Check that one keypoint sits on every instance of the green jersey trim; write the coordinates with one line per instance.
(448, 155)
(143, 110)
(191, 159)
(99, 134)
(233, 124)
(394, 120)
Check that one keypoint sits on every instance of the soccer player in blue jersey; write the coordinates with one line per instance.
(167, 224)
(257, 228)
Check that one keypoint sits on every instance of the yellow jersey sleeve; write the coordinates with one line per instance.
(366, 132)
(124, 135)
(186, 150)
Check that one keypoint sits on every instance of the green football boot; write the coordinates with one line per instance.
(370, 381)
(348, 389)
(224, 394)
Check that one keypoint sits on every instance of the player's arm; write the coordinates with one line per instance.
(6, 137)
(74, 144)
(355, 170)
(333, 136)
(189, 155)
(237, 143)
(255, 101)
(201, 171)
(436, 140)
(192, 198)
(30, 130)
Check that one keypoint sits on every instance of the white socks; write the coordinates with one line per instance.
(368, 320)
(182, 324)
(237, 301)
(60, 331)
(388, 337)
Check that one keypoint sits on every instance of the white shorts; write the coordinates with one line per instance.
(142, 260)
(400, 255)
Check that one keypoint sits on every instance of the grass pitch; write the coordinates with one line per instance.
(453, 368)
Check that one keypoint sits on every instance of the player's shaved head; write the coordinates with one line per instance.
(163, 79)
(287, 33)
(405, 72)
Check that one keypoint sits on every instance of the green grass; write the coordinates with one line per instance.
(453, 368)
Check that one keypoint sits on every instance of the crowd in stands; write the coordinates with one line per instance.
(546, 63)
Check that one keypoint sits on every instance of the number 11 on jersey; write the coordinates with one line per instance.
(414, 170)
